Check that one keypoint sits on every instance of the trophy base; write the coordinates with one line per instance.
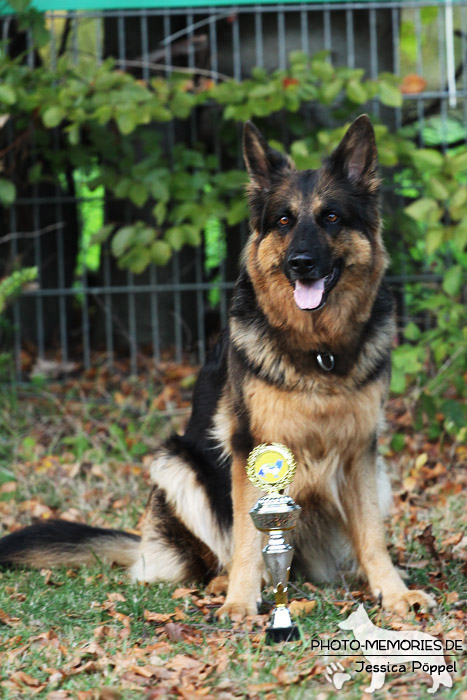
(274, 635)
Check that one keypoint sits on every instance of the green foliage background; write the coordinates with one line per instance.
(102, 116)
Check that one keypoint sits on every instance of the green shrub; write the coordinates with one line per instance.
(102, 115)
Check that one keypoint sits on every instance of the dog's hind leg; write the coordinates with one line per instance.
(168, 550)
(182, 538)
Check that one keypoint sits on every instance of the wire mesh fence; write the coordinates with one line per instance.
(84, 307)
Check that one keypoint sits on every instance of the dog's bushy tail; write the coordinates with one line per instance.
(56, 542)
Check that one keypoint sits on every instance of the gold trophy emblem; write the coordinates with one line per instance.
(271, 468)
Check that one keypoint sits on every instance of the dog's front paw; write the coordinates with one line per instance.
(237, 609)
(402, 601)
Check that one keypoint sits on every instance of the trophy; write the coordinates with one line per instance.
(271, 468)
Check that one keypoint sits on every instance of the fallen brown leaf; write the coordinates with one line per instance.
(183, 661)
(159, 618)
(145, 671)
(22, 678)
(7, 620)
(301, 607)
(261, 687)
(426, 538)
(109, 694)
(179, 614)
(182, 592)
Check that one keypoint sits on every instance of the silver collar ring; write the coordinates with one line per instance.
(325, 361)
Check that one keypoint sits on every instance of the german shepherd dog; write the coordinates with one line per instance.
(305, 362)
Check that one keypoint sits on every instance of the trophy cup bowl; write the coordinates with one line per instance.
(272, 467)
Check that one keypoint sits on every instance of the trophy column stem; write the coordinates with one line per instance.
(277, 557)
(272, 467)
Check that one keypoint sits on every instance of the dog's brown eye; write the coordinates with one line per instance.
(284, 220)
(332, 218)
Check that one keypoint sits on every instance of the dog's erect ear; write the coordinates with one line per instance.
(356, 157)
(263, 163)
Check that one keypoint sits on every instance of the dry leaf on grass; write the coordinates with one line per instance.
(22, 678)
(183, 592)
(158, 618)
(301, 607)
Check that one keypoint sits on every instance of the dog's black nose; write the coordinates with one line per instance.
(302, 264)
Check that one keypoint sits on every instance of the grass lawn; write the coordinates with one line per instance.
(81, 450)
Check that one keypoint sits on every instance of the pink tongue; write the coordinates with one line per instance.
(308, 295)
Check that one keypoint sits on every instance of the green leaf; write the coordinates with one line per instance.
(181, 104)
(398, 442)
(298, 148)
(458, 204)
(292, 102)
(437, 188)
(232, 180)
(238, 212)
(458, 163)
(424, 210)
(298, 59)
(175, 237)
(102, 234)
(122, 188)
(387, 155)
(161, 252)
(262, 91)
(389, 95)
(145, 235)
(53, 116)
(408, 41)
(427, 159)
(455, 411)
(459, 236)
(7, 95)
(330, 91)
(310, 162)
(356, 92)
(7, 192)
(159, 212)
(192, 235)
(138, 194)
(453, 280)
(122, 240)
(158, 187)
(322, 69)
(35, 173)
(307, 91)
(412, 331)
(160, 113)
(137, 259)
(407, 359)
(103, 114)
(398, 382)
(459, 198)
(126, 122)
(40, 33)
(434, 238)
(260, 73)
(73, 134)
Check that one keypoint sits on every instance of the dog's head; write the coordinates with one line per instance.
(315, 233)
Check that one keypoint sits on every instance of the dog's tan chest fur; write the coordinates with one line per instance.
(313, 421)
